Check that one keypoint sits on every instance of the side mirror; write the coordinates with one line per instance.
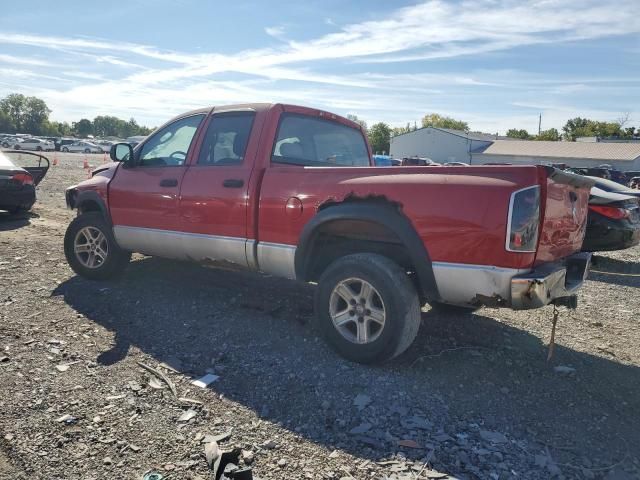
(122, 152)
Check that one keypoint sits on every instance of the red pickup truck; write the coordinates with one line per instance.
(292, 192)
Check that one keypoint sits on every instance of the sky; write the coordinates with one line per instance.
(496, 64)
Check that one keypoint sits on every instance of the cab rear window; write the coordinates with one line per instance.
(309, 141)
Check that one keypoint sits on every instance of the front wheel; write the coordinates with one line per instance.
(17, 147)
(38, 148)
(65, 149)
(91, 248)
(367, 308)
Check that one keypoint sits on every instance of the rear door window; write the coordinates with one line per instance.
(309, 141)
(226, 139)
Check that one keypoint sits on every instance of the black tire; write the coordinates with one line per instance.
(38, 148)
(445, 308)
(65, 149)
(87, 150)
(16, 147)
(399, 298)
(117, 259)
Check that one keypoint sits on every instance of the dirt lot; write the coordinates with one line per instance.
(473, 397)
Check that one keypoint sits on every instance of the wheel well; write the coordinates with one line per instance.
(338, 238)
(89, 206)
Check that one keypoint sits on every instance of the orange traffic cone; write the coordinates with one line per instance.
(85, 163)
(55, 159)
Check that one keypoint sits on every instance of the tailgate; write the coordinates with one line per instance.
(566, 204)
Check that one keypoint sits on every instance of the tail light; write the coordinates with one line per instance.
(22, 179)
(614, 213)
(524, 220)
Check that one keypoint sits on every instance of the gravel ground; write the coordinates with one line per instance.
(473, 398)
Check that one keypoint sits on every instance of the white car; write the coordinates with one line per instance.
(82, 146)
(105, 145)
(34, 144)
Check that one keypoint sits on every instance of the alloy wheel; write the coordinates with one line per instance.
(357, 311)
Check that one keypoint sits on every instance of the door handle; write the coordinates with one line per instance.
(169, 182)
(233, 183)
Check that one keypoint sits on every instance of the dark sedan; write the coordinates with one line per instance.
(613, 222)
(614, 187)
(18, 184)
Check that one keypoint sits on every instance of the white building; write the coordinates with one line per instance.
(439, 144)
(622, 156)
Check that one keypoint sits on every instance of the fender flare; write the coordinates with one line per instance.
(384, 215)
(89, 196)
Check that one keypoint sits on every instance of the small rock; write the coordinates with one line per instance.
(248, 456)
(360, 429)
(361, 401)
(564, 370)
(135, 386)
(269, 445)
(67, 419)
(493, 437)
(188, 415)
(107, 461)
(8, 437)
(97, 419)
(282, 463)
(334, 454)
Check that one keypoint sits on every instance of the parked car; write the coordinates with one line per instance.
(382, 160)
(613, 222)
(419, 161)
(61, 142)
(34, 144)
(17, 184)
(273, 188)
(82, 146)
(614, 187)
(105, 145)
(9, 142)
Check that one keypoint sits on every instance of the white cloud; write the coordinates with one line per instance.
(276, 32)
(124, 78)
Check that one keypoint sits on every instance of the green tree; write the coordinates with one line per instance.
(380, 137)
(83, 127)
(440, 121)
(551, 135)
(359, 121)
(35, 116)
(13, 106)
(521, 134)
(6, 123)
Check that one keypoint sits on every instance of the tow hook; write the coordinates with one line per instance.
(571, 302)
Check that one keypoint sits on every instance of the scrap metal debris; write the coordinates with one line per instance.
(162, 376)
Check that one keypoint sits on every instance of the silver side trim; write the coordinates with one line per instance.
(461, 283)
(182, 245)
(277, 259)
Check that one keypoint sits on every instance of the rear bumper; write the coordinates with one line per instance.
(550, 282)
(609, 235)
(23, 198)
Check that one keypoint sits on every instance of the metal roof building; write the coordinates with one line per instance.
(439, 144)
(623, 156)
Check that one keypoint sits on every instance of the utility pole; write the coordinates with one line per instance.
(539, 124)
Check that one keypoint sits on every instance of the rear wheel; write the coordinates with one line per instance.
(16, 147)
(38, 148)
(87, 150)
(91, 249)
(367, 308)
(65, 149)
